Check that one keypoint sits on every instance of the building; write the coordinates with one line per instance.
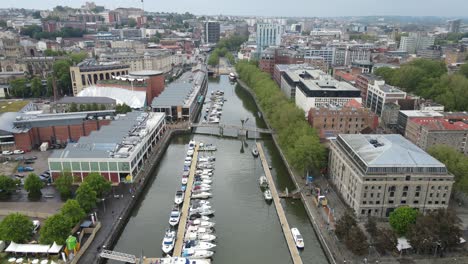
(389, 115)
(406, 115)
(291, 76)
(274, 55)
(453, 26)
(318, 89)
(136, 89)
(430, 131)
(362, 83)
(126, 33)
(351, 118)
(28, 131)
(212, 32)
(117, 151)
(268, 35)
(416, 41)
(379, 93)
(327, 53)
(89, 72)
(155, 60)
(183, 98)
(432, 53)
(63, 105)
(375, 174)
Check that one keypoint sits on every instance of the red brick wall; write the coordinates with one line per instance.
(45, 133)
(90, 125)
(114, 177)
(156, 86)
(23, 141)
(76, 131)
(61, 133)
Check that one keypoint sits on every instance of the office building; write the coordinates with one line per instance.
(117, 151)
(212, 31)
(416, 41)
(352, 118)
(375, 174)
(406, 115)
(268, 35)
(362, 83)
(453, 26)
(327, 53)
(379, 93)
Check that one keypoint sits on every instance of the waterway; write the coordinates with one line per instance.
(247, 228)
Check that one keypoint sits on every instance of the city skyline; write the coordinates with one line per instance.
(295, 8)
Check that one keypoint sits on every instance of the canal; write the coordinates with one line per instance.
(247, 228)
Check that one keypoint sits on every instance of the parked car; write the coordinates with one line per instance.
(23, 169)
(29, 162)
(31, 158)
(7, 152)
(18, 151)
(19, 158)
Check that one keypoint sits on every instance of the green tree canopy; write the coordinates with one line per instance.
(100, 185)
(18, 88)
(73, 107)
(122, 108)
(33, 186)
(36, 87)
(64, 184)
(86, 197)
(72, 212)
(78, 57)
(456, 163)
(347, 229)
(7, 186)
(55, 229)
(17, 228)
(402, 218)
(61, 70)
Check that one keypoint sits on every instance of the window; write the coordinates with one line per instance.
(416, 194)
(430, 202)
(418, 188)
(377, 202)
(430, 195)
(390, 201)
(85, 166)
(364, 202)
(104, 166)
(408, 178)
(363, 211)
(365, 195)
(66, 166)
(392, 194)
(56, 166)
(76, 166)
(112, 166)
(403, 202)
(365, 187)
(94, 166)
(436, 202)
(416, 202)
(404, 194)
(405, 189)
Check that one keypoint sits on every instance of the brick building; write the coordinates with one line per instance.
(362, 82)
(352, 118)
(273, 56)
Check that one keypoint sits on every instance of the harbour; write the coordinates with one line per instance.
(247, 227)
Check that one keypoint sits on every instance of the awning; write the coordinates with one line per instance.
(54, 249)
(403, 244)
(27, 248)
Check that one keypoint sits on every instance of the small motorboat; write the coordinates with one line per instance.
(202, 212)
(200, 208)
(202, 223)
(187, 163)
(192, 144)
(199, 217)
(200, 202)
(196, 183)
(297, 238)
(232, 77)
(168, 241)
(190, 152)
(267, 195)
(263, 181)
(255, 152)
(174, 217)
(183, 187)
(201, 189)
(197, 229)
(180, 260)
(197, 254)
(204, 181)
(202, 195)
(199, 245)
(179, 197)
(184, 180)
(200, 237)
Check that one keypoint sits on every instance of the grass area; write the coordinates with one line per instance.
(12, 105)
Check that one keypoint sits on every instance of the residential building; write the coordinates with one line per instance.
(290, 76)
(89, 72)
(274, 55)
(117, 151)
(416, 41)
(362, 83)
(318, 89)
(212, 31)
(375, 174)
(453, 26)
(352, 118)
(327, 53)
(431, 53)
(126, 33)
(268, 35)
(406, 115)
(156, 60)
(379, 93)
(430, 131)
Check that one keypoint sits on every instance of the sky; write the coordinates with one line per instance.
(287, 8)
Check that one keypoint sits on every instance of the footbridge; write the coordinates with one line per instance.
(235, 127)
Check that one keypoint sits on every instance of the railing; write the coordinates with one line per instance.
(260, 130)
(118, 256)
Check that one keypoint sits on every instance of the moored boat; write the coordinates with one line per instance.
(255, 152)
(263, 181)
(168, 241)
(174, 217)
(179, 197)
(267, 195)
(197, 254)
(297, 238)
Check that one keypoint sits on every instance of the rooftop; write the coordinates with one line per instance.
(432, 124)
(134, 99)
(117, 140)
(418, 113)
(86, 100)
(391, 150)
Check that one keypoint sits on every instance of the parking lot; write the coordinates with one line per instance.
(39, 165)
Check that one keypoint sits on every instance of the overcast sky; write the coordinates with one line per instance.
(274, 7)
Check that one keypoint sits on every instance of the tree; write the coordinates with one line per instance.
(73, 107)
(36, 14)
(356, 241)
(3, 24)
(95, 107)
(385, 240)
(82, 107)
(456, 163)
(464, 70)
(86, 197)
(33, 185)
(98, 183)
(16, 227)
(64, 184)
(344, 224)
(122, 108)
(78, 57)
(61, 70)
(72, 212)
(213, 60)
(132, 22)
(36, 87)
(371, 226)
(7, 186)
(18, 88)
(50, 87)
(55, 229)
(31, 30)
(402, 218)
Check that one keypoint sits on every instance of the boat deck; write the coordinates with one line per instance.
(156, 260)
(279, 209)
(185, 206)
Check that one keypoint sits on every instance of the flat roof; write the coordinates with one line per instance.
(390, 89)
(419, 113)
(145, 73)
(388, 150)
(86, 100)
(121, 136)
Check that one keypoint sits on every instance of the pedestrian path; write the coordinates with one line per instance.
(279, 209)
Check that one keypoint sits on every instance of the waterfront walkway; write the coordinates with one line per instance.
(279, 209)
(185, 206)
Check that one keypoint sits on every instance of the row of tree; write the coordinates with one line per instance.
(36, 32)
(56, 228)
(32, 185)
(456, 162)
(299, 142)
(25, 88)
(224, 48)
(429, 79)
(86, 107)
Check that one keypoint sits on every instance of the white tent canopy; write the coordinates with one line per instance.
(134, 99)
(33, 248)
(403, 244)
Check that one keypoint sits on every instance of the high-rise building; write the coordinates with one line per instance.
(376, 174)
(416, 41)
(268, 35)
(379, 93)
(453, 26)
(212, 30)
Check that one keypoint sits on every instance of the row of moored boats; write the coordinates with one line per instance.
(199, 233)
(215, 109)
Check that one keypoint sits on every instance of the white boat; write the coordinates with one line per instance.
(199, 245)
(201, 230)
(200, 237)
(201, 185)
(187, 163)
(297, 238)
(209, 158)
(232, 76)
(179, 197)
(205, 181)
(184, 180)
(188, 158)
(213, 121)
(202, 212)
(200, 202)
(255, 152)
(199, 217)
(203, 177)
(190, 152)
(168, 241)
(197, 254)
(200, 208)
(180, 260)
(202, 189)
(192, 144)
(175, 217)
(202, 223)
(263, 181)
(267, 195)
(202, 195)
